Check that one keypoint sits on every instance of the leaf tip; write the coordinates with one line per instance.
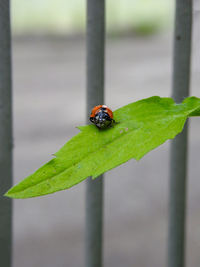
(12, 193)
(7, 194)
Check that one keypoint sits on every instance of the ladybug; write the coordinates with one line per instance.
(102, 116)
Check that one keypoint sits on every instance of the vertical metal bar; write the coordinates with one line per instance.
(178, 160)
(95, 96)
(5, 135)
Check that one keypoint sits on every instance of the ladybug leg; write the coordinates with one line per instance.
(113, 123)
(91, 119)
(116, 122)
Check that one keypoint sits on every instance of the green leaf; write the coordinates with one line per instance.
(142, 126)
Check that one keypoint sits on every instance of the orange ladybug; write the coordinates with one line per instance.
(102, 116)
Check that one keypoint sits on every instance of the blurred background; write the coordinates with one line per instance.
(48, 83)
(68, 17)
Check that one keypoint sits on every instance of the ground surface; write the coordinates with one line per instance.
(49, 84)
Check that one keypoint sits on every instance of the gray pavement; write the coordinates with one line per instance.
(49, 102)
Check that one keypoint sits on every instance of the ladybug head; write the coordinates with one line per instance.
(102, 119)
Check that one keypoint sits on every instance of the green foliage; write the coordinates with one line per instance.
(142, 126)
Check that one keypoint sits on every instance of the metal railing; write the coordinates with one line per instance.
(178, 159)
(5, 135)
(95, 95)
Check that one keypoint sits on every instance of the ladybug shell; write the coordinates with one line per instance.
(101, 116)
(96, 109)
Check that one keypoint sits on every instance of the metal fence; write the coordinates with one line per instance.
(5, 134)
(95, 94)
